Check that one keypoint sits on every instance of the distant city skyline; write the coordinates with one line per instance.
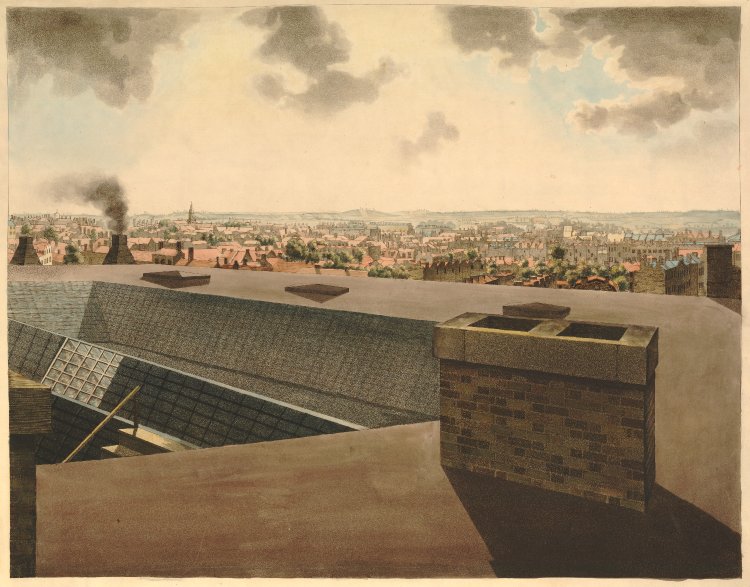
(391, 108)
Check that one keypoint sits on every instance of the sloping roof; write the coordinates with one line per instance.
(206, 254)
(142, 256)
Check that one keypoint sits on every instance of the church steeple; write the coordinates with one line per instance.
(190, 218)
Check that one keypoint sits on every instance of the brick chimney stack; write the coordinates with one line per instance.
(561, 405)
(118, 253)
(25, 253)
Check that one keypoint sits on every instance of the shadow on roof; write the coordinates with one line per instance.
(535, 533)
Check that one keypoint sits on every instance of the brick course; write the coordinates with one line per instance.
(585, 437)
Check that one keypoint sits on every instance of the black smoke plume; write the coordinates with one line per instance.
(105, 193)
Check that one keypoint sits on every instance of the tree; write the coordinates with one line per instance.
(295, 249)
(50, 234)
(264, 241)
(210, 238)
(558, 253)
(72, 255)
(472, 254)
(571, 276)
(584, 270)
(389, 272)
(358, 254)
(601, 271)
(337, 259)
(622, 283)
(618, 271)
(26, 229)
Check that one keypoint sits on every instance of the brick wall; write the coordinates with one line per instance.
(22, 505)
(29, 420)
(584, 437)
(649, 280)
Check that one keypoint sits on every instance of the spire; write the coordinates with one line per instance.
(190, 218)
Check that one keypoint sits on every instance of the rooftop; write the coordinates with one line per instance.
(362, 504)
(400, 484)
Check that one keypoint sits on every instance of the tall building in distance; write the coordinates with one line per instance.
(191, 217)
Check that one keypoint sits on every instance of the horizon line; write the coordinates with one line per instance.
(399, 212)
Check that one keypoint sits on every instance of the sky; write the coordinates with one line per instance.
(384, 107)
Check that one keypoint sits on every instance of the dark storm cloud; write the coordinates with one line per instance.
(696, 47)
(481, 28)
(641, 117)
(437, 130)
(104, 193)
(108, 50)
(303, 37)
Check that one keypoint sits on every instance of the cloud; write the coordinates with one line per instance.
(716, 131)
(482, 28)
(684, 59)
(303, 37)
(436, 131)
(641, 116)
(696, 49)
(107, 50)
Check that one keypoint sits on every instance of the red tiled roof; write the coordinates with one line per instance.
(143, 256)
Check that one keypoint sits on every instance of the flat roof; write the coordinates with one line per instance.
(698, 401)
(374, 503)
(402, 298)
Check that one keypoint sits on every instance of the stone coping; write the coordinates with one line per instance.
(623, 353)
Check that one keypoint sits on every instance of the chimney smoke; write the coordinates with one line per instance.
(105, 193)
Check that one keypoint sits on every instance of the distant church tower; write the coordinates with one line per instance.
(191, 218)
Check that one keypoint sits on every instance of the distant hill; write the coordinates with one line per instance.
(366, 213)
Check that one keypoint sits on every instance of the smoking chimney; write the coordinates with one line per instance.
(119, 254)
(25, 253)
